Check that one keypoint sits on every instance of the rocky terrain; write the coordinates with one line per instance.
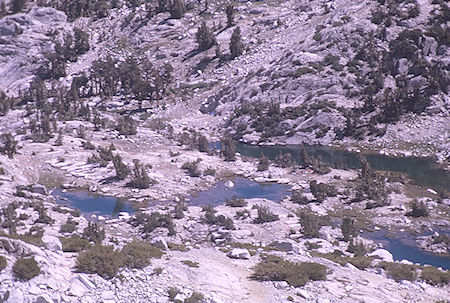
(127, 99)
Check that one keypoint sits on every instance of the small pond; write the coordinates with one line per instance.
(243, 188)
(424, 172)
(91, 204)
(403, 246)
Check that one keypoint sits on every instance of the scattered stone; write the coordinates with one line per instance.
(52, 243)
(383, 254)
(229, 184)
(239, 253)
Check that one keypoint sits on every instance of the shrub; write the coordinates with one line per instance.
(235, 202)
(434, 276)
(139, 176)
(348, 229)
(264, 215)
(263, 163)
(101, 260)
(228, 149)
(418, 209)
(74, 244)
(298, 197)
(203, 144)
(138, 254)
(284, 160)
(321, 190)
(210, 171)
(192, 169)
(274, 268)
(26, 269)
(179, 209)
(357, 248)
(310, 224)
(69, 227)
(94, 233)
(196, 297)
(43, 216)
(358, 262)
(173, 292)
(9, 147)
(211, 218)
(122, 171)
(236, 44)
(398, 271)
(3, 263)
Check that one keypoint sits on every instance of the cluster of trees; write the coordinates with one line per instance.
(135, 76)
(205, 36)
(414, 86)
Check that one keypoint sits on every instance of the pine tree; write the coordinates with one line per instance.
(205, 38)
(236, 45)
(9, 147)
(122, 171)
(230, 15)
(177, 9)
(17, 5)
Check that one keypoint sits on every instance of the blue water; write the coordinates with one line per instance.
(91, 204)
(423, 171)
(243, 188)
(402, 246)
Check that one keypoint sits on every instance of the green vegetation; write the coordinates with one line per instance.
(3, 263)
(93, 232)
(434, 276)
(418, 209)
(25, 269)
(190, 263)
(138, 254)
(74, 244)
(273, 268)
(235, 202)
(210, 218)
(264, 215)
(398, 271)
(101, 260)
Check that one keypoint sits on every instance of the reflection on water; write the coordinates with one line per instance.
(423, 171)
(243, 188)
(402, 246)
(90, 204)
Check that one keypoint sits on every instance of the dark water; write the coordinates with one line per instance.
(243, 188)
(403, 246)
(90, 204)
(424, 172)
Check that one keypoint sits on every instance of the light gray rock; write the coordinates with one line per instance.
(403, 66)
(229, 184)
(239, 253)
(108, 295)
(383, 254)
(77, 289)
(304, 294)
(286, 246)
(15, 296)
(52, 243)
(39, 189)
(85, 281)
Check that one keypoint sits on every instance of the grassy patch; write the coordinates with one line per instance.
(26, 269)
(190, 263)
